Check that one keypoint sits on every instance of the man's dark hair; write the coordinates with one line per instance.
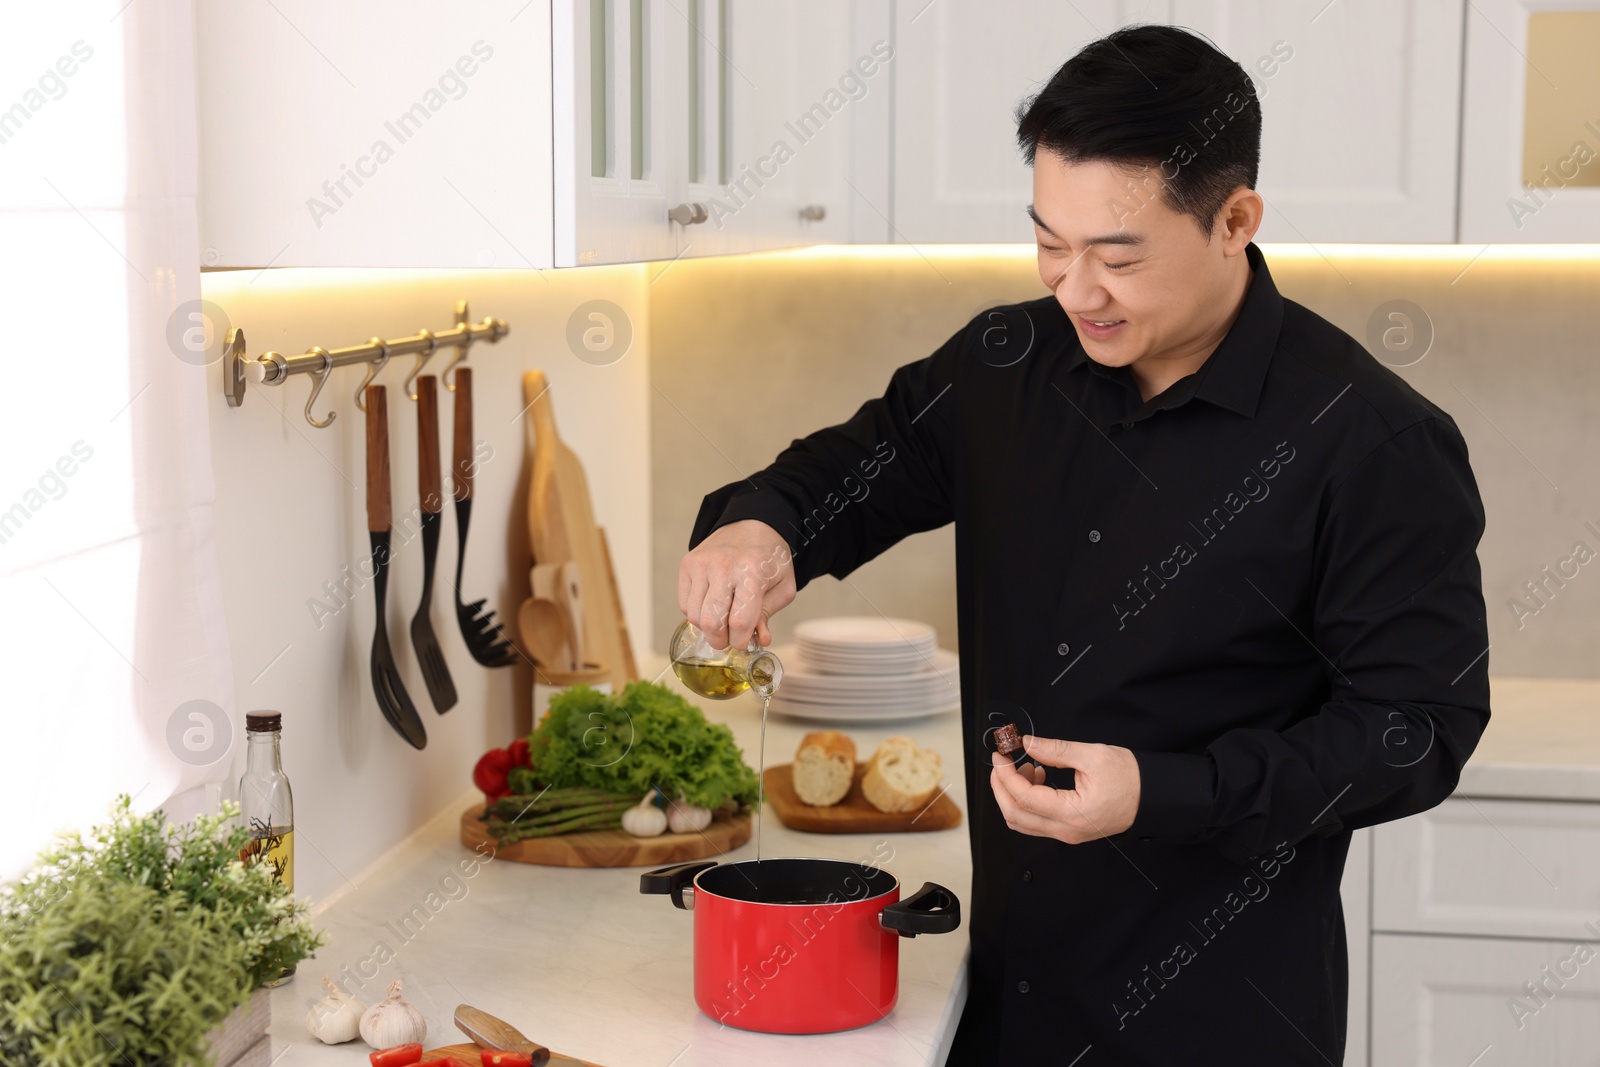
(1158, 96)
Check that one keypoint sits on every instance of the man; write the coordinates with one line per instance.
(1212, 557)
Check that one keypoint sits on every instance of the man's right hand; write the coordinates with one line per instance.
(734, 581)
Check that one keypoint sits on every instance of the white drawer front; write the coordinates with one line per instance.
(1455, 1001)
(1511, 868)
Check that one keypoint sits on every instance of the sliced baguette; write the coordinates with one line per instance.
(900, 776)
(824, 767)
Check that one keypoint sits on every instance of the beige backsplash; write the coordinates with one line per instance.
(748, 353)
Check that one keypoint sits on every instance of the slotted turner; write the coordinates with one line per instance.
(483, 636)
(386, 684)
(435, 672)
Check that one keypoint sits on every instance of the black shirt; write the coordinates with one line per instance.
(1262, 581)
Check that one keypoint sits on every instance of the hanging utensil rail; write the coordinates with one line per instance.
(273, 368)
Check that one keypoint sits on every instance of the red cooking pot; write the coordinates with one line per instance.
(799, 946)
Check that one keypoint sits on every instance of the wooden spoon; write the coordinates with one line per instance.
(544, 632)
(546, 581)
(569, 596)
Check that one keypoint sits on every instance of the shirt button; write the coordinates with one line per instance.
(1063, 648)
(1127, 426)
(1022, 987)
(1027, 876)
(1094, 535)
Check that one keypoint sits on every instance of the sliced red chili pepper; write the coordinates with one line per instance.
(397, 1055)
(499, 1058)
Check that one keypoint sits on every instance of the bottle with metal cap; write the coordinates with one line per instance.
(265, 803)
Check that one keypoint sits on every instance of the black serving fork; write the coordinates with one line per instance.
(386, 684)
(483, 636)
(426, 643)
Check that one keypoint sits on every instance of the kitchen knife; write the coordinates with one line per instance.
(492, 1033)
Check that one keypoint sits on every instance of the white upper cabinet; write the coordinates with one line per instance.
(616, 163)
(1530, 157)
(960, 72)
(1360, 109)
(510, 133)
(375, 134)
(766, 128)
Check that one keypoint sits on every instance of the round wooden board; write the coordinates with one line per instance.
(611, 848)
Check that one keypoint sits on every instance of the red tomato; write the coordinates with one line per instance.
(490, 773)
(518, 750)
(397, 1056)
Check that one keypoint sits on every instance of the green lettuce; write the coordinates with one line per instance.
(645, 736)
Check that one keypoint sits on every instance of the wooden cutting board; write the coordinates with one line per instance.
(611, 848)
(561, 527)
(853, 814)
(473, 1054)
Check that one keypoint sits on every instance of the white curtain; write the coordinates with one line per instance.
(116, 675)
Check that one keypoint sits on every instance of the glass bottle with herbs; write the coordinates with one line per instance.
(266, 804)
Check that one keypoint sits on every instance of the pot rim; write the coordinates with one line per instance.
(894, 885)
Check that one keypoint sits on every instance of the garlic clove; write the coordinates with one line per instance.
(393, 1021)
(683, 817)
(336, 1018)
(644, 819)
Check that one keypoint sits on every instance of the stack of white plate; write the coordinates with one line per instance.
(866, 667)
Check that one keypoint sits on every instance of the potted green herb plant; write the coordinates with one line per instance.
(144, 944)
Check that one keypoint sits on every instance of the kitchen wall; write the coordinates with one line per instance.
(747, 354)
(291, 516)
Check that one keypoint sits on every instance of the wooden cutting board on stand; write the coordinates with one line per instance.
(561, 527)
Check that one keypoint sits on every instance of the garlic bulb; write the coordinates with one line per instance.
(393, 1021)
(644, 819)
(336, 1018)
(683, 817)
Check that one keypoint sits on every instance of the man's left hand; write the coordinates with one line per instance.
(1103, 801)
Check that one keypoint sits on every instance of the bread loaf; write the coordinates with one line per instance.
(901, 777)
(824, 767)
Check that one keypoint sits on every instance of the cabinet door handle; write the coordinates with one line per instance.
(688, 214)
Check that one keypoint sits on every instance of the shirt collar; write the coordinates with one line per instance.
(1234, 373)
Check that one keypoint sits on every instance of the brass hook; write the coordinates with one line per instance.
(372, 370)
(321, 377)
(461, 349)
(422, 361)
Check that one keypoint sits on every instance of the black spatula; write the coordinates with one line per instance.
(386, 684)
(435, 672)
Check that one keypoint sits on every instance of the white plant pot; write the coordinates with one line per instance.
(239, 1033)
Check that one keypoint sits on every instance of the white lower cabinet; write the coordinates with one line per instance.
(1488, 1002)
(1485, 946)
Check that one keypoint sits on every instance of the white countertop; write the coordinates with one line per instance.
(580, 961)
(1543, 741)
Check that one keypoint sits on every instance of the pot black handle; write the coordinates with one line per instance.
(933, 909)
(671, 880)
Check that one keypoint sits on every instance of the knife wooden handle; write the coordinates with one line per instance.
(461, 458)
(428, 444)
(492, 1033)
(378, 517)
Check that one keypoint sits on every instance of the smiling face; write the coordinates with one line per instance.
(1112, 251)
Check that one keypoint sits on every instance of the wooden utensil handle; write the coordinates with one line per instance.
(492, 1033)
(378, 517)
(462, 453)
(428, 444)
